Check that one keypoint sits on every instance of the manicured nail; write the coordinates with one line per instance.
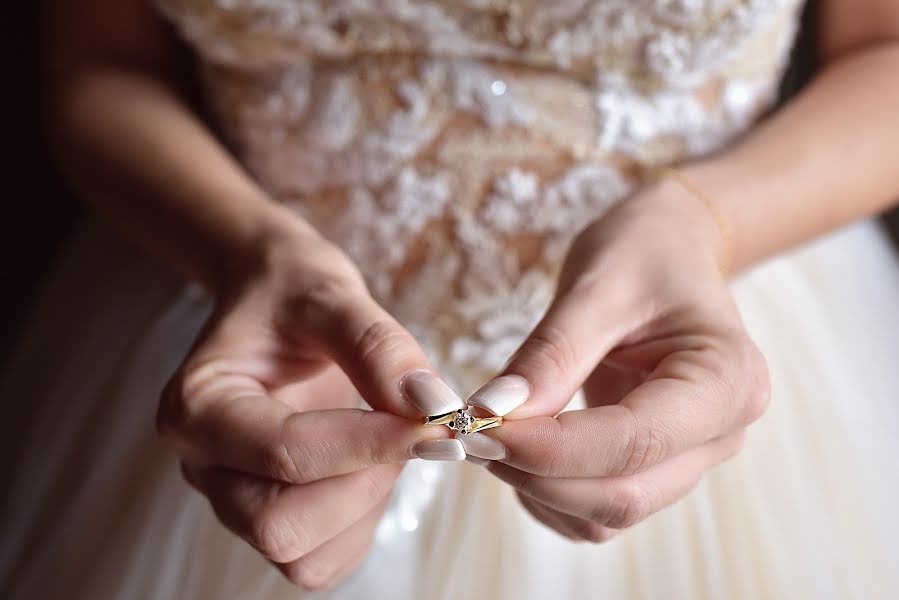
(430, 394)
(502, 395)
(439, 450)
(477, 461)
(482, 446)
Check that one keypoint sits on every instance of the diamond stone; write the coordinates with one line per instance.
(463, 422)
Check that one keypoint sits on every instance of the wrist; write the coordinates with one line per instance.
(253, 247)
(701, 217)
(692, 216)
(734, 186)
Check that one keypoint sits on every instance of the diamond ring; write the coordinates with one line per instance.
(463, 422)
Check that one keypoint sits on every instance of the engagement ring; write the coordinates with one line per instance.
(463, 422)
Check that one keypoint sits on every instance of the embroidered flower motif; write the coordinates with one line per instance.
(454, 149)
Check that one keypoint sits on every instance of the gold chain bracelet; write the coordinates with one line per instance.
(727, 236)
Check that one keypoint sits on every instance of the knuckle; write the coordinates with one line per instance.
(549, 347)
(284, 463)
(274, 536)
(174, 413)
(646, 447)
(195, 386)
(323, 299)
(592, 531)
(329, 291)
(310, 573)
(381, 340)
(628, 507)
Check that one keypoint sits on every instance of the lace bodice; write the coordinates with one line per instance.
(455, 147)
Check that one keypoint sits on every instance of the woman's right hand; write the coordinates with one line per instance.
(261, 412)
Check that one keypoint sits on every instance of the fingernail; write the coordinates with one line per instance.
(451, 449)
(502, 395)
(430, 394)
(477, 461)
(482, 446)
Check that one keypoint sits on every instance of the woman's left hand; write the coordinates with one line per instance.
(644, 321)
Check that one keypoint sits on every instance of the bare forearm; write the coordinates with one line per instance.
(146, 164)
(135, 150)
(828, 158)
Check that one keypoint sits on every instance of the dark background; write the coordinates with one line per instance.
(39, 208)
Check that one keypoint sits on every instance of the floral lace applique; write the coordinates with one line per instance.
(455, 148)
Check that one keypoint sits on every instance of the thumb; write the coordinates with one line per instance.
(580, 327)
(383, 360)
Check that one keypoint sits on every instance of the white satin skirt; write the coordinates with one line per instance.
(95, 508)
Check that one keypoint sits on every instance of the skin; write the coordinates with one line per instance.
(651, 332)
(261, 411)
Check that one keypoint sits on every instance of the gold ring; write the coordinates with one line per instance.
(463, 422)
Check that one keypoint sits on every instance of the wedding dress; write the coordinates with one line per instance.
(453, 148)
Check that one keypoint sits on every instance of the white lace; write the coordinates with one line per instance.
(454, 148)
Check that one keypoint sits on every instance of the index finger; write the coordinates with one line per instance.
(254, 433)
(659, 419)
(381, 358)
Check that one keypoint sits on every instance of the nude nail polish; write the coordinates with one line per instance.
(450, 449)
(477, 461)
(482, 446)
(502, 395)
(429, 393)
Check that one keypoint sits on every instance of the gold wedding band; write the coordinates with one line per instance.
(463, 422)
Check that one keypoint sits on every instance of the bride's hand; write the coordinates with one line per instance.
(261, 411)
(644, 321)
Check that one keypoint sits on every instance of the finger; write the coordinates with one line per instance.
(338, 557)
(608, 384)
(286, 522)
(378, 354)
(248, 431)
(689, 401)
(329, 389)
(620, 502)
(574, 528)
(563, 524)
(579, 328)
